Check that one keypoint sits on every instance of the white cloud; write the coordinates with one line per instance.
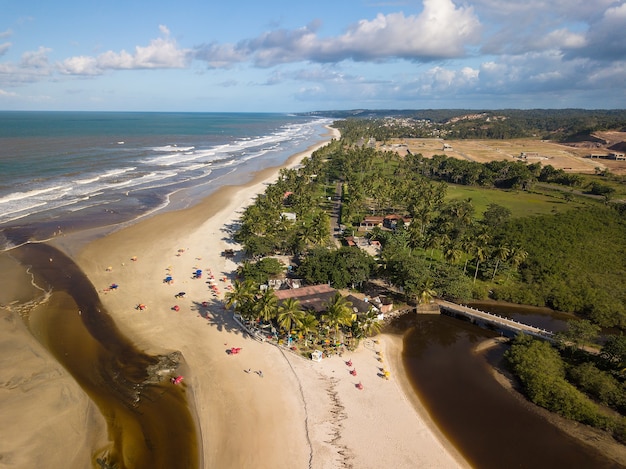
(7, 94)
(519, 11)
(442, 30)
(161, 53)
(559, 39)
(33, 66)
(4, 48)
(606, 39)
(35, 59)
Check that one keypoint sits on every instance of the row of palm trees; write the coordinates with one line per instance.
(289, 318)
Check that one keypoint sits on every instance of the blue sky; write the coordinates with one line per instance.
(290, 56)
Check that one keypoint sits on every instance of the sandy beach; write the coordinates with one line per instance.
(263, 407)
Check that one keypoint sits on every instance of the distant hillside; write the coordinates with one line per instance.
(561, 125)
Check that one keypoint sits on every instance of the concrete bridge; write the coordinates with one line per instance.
(499, 322)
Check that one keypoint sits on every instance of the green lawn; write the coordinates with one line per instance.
(520, 203)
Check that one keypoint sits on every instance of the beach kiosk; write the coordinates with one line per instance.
(316, 355)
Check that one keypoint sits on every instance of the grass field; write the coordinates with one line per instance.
(520, 203)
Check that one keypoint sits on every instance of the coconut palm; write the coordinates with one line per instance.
(427, 293)
(290, 314)
(308, 325)
(452, 253)
(338, 313)
(366, 325)
(266, 305)
(241, 297)
(501, 253)
(517, 256)
(480, 250)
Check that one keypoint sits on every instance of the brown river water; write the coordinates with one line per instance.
(149, 419)
(491, 426)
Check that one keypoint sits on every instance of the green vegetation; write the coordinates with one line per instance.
(520, 203)
(495, 231)
(555, 124)
(585, 388)
(512, 231)
(288, 323)
(542, 373)
(576, 262)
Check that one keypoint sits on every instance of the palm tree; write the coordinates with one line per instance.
(366, 325)
(517, 256)
(452, 253)
(480, 255)
(501, 253)
(308, 324)
(427, 292)
(480, 250)
(241, 297)
(265, 306)
(289, 314)
(338, 313)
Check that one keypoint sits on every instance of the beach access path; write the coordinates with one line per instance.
(292, 412)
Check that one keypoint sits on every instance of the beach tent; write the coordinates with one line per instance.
(316, 356)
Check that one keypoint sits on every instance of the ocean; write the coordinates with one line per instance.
(64, 171)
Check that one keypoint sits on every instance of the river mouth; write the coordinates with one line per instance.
(148, 418)
(490, 425)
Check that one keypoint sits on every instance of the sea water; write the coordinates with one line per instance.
(67, 170)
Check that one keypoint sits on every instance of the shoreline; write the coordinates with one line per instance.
(245, 419)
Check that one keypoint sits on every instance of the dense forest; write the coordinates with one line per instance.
(570, 258)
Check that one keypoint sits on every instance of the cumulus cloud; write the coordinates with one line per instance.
(605, 38)
(161, 53)
(441, 31)
(32, 67)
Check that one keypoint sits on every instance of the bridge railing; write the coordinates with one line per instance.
(499, 320)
